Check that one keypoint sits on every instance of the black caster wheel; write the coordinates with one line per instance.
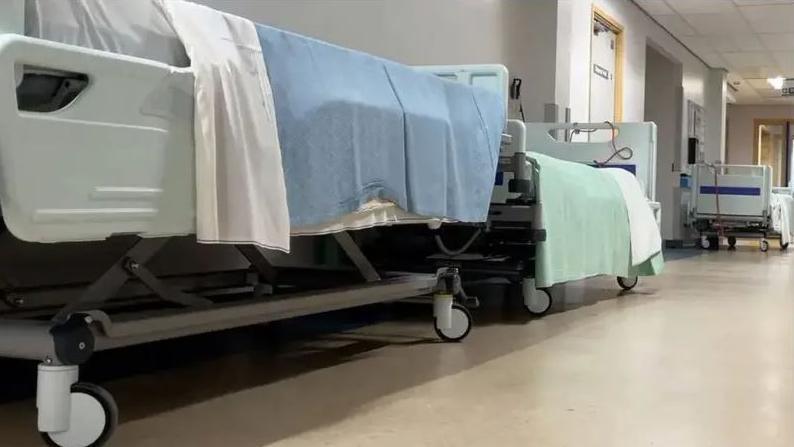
(540, 303)
(764, 245)
(461, 325)
(94, 418)
(783, 247)
(732, 242)
(628, 283)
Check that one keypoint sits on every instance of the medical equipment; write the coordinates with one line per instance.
(733, 201)
(97, 145)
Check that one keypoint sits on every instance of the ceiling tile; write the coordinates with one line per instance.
(735, 43)
(676, 25)
(757, 72)
(785, 60)
(714, 60)
(701, 6)
(762, 2)
(700, 44)
(770, 18)
(778, 42)
(719, 24)
(748, 59)
(655, 7)
(758, 84)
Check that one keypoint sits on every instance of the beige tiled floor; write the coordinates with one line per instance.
(702, 356)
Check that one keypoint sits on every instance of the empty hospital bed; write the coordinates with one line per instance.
(738, 201)
(102, 144)
(553, 217)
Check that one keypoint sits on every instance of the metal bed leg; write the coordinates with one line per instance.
(353, 252)
(259, 262)
(266, 273)
(131, 264)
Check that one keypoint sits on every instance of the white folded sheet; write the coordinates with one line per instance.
(235, 120)
(783, 216)
(646, 239)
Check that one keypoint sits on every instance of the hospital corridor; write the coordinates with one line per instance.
(259, 223)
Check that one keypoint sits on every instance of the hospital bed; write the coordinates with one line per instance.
(134, 125)
(518, 203)
(508, 246)
(733, 201)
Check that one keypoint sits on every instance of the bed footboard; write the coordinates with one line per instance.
(93, 144)
(743, 190)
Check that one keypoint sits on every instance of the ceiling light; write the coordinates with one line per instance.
(777, 83)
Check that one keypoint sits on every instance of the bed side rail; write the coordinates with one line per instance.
(109, 150)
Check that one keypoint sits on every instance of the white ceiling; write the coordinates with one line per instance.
(752, 39)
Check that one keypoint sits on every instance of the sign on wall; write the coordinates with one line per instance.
(788, 88)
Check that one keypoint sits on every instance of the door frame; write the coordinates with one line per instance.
(788, 124)
(616, 27)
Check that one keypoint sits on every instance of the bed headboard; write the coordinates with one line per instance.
(12, 17)
(640, 137)
(493, 77)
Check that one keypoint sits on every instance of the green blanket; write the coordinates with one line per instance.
(587, 226)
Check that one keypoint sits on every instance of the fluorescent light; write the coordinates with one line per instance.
(777, 83)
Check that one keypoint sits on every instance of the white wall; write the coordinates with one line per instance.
(520, 34)
(741, 131)
(639, 31)
(663, 106)
(716, 114)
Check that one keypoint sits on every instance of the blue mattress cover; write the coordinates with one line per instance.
(355, 127)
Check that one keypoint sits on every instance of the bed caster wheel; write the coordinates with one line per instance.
(537, 302)
(705, 243)
(94, 417)
(460, 327)
(783, 247)
(764, 245)
(628, 283)
(732, 242)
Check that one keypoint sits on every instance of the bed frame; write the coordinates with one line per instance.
(108, 152)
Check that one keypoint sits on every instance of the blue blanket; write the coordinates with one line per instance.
(354, 127)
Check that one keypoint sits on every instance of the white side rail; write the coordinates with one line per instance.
(117, 159)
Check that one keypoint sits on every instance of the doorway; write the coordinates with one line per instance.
(773, 148)
(664, 105)
(606, 71)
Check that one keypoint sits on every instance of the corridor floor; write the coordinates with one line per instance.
(701, 356)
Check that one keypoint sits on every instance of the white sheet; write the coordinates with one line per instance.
(135, 28)
(236, 202)
(377, 213)
(783, 216)
(646, 239)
